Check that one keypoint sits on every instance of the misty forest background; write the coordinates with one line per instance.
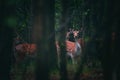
(42, 22)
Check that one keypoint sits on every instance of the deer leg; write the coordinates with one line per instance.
(58, 57)
(73, 61)
(72, 57)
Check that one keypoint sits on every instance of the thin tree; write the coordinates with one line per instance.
(63, 28)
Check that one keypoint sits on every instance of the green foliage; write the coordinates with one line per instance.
(11, 21)
(86, 69)
(71, 67)
(54, 72)
(23, 13)
(87, 38)
(86, 12)
(58, 9)
(31, 67)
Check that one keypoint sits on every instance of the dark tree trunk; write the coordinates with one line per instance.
(6, 53)
(6, 40)
(63, 28)
(43, 36)
(108, 23)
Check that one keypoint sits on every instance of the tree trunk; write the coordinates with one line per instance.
(43, 36)
(63, 28)
(6, 39)
(108, 23)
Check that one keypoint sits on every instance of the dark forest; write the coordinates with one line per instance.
(59, 40)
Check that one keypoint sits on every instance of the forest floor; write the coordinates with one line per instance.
(26, 72)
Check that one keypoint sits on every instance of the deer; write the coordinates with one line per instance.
(73, 50)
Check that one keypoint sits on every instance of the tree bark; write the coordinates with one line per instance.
(44, 37)
(6, 40)
(63, 28)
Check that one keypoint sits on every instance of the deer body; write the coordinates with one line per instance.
(73, 50)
